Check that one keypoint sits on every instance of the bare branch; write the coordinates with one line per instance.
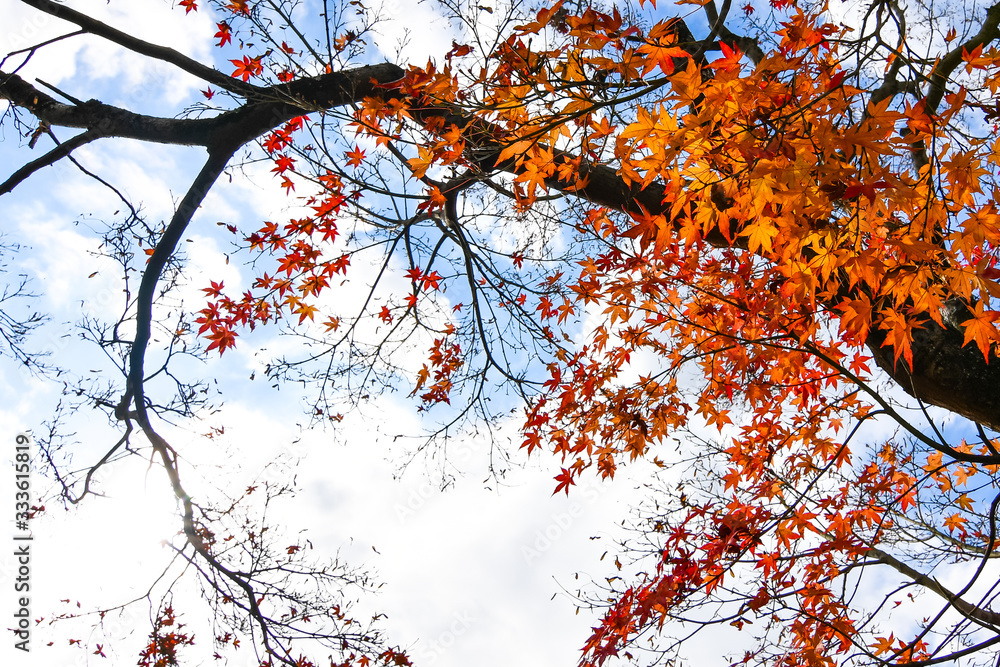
(54, 155)
(136, 45)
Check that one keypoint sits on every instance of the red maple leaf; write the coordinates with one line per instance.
(247, 67)
(565, 479)
(223, 35)
(355, 157)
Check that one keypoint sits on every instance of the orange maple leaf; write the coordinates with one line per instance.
(980, 328)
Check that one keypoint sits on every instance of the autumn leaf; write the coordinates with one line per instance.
(283, 163)
(221, 339)
(899, 334)
(837, 79)
(247, 67)
(661, 54)
(565, 479)
(214, 289)
(934, 460)
(981, 329)
(534, 178)
(422, 162)
(856, 318)
(868, 190)
(224, 35)
(241, 7)
(518, 150)
(883, 644)
(305, 311)
(431, 281)
(760, 235)
(355, 158)
(955, 522)
(730, 60)
(458, 50)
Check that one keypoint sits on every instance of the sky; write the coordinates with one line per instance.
(481, 572)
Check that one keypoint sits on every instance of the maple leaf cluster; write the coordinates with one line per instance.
(445, 359)
(165, 640)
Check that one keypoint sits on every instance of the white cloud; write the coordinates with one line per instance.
(60, 261)
(85, 57)
(414, 30)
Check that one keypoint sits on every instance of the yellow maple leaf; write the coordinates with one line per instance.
(420, 164)
(955, 522)
(760, 234)
(933, 462)
(883, 644)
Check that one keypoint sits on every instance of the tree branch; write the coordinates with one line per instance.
(988, 32)
(967, 609)
(103, 119)
(210, 172)
(944, 372)
(142, 47)
(277, 105)
(54, 155)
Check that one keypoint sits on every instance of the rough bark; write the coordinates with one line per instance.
(268, 108)
(945, 373)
